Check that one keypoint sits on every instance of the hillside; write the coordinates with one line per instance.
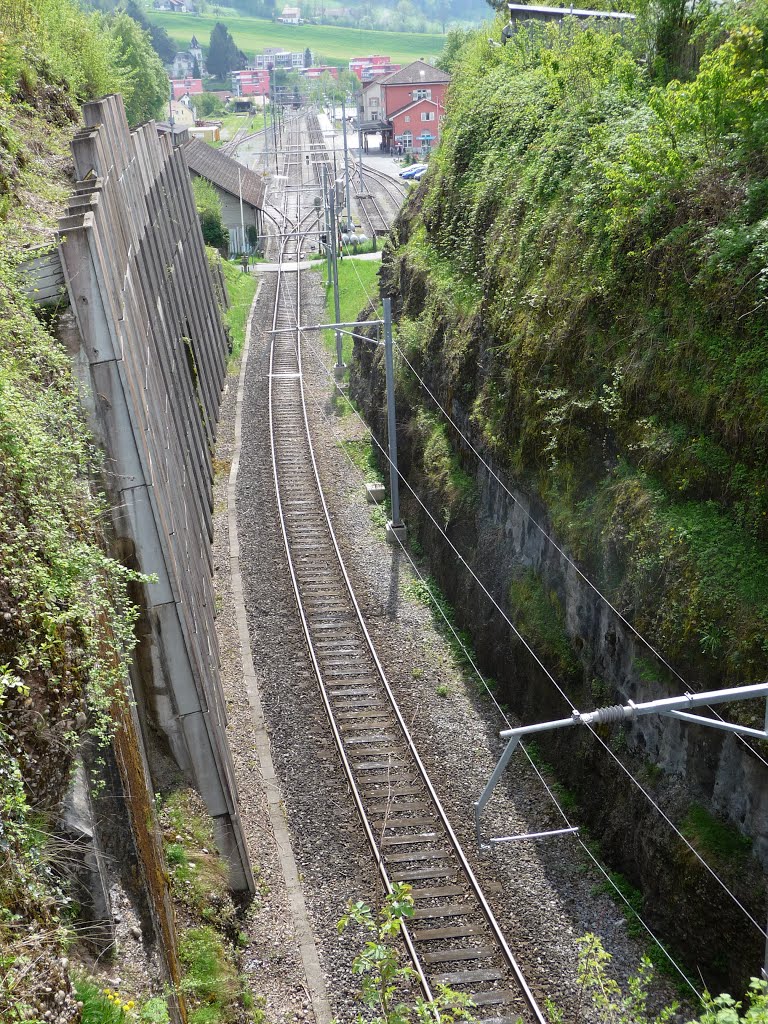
(85, 935)
(581, 282)
(326, 42)
(608, 234)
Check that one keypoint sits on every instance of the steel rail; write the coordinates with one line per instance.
(296, 307)
(353, 684)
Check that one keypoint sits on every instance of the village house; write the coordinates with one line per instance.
(376, 65)
(185, 60)
(272, 57)
(232, 182)
(321, 69)
(185, 87)
(290, 16)
(178, 6)
(406, 108)
(250, 82)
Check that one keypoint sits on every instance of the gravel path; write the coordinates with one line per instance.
(542, 892)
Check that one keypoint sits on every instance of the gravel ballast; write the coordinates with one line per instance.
(541, 891)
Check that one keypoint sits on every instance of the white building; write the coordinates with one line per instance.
(290, 16)
(272, 57)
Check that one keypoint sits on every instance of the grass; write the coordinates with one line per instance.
(241, 288)
(443, 471)
(362, 454)
(102, 1006)
(198, 874)
(428, 592)
(211, 981)
(540, 617)
(357, 251)
(713, 838)
(328, 43)
(358, 284)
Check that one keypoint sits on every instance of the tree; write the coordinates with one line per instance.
(195, 68)
(454, 42)
(208, 206)
(206, 104)
(223, 56)
(307, 58)
(145, 83)
(162, 43)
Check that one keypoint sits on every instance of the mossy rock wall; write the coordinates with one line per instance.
(598, 661)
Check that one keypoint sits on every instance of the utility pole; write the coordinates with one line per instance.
(327, 226)
(273, 107)
(265, 97)
(395, 527)
(346, 163)
(360, 149)
(339, 367)
(240, 191)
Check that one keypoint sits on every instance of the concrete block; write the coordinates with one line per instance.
(397, 535)
(375, 493)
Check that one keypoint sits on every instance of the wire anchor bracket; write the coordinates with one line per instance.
(671, 707)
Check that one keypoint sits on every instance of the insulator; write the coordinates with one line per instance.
(608, 716)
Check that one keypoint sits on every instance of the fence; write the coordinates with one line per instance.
(153, 360)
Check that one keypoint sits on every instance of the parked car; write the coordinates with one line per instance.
(419, 174)
(409, 172)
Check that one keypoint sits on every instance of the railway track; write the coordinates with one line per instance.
(453, 938)
(377, 219)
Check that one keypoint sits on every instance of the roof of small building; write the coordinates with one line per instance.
(408, 106)
(224, 172)
(416, 73)
(576, 12)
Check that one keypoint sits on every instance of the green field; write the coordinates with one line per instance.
(327, 43)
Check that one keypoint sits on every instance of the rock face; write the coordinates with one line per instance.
(710, 784)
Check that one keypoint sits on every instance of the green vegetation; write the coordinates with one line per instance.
(241, 288)
(586, 260)
(66, 619)
(361, 453)
(385, 980)
(208, 206)
(444, 618)
(215, 991)
(103, 1006)
(154, 1011)
(198, 874)
(724, 1009)
(223, 55)
(47, 42)
(539, 616)
(448, 483)
(66, 615)
(714, 839)
(328, 43)
(606, 997)
(211, 983)
(358, 287)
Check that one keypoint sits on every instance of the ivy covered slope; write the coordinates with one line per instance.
(65, 616)
(587, 263)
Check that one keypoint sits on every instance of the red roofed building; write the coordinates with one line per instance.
(316, 72)
(416, 127)
(406, 107)
(183, 86)
(251, 82)
(358, 64)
